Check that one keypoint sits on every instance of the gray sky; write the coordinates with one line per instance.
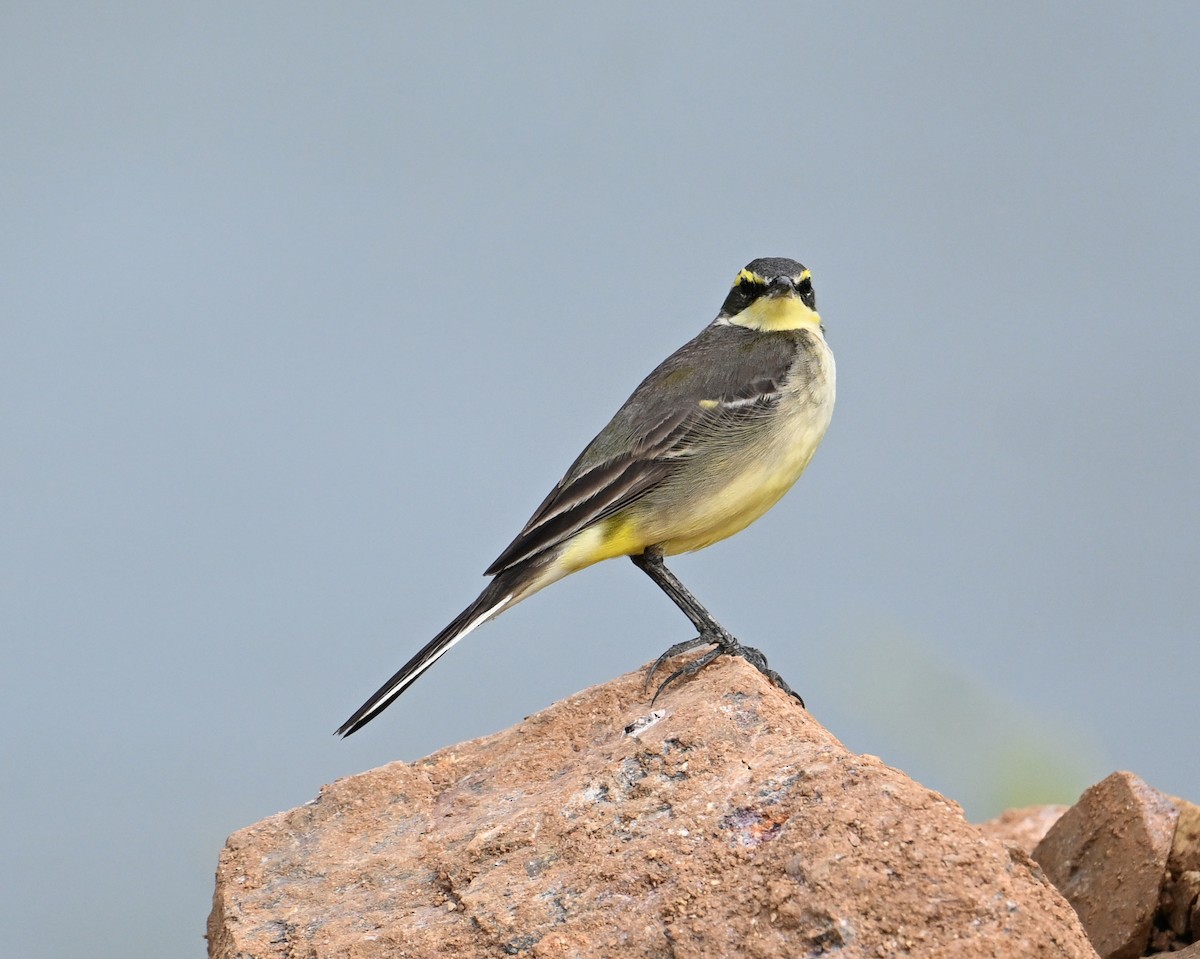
(305, 307)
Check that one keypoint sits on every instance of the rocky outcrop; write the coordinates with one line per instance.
(1178, 920)
(1108, 854)
(1128, 860)
(727, 822)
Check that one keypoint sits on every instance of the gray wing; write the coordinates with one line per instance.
(725, 376)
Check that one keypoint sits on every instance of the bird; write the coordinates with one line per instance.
(705, 445)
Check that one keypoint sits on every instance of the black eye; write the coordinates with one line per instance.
(807, 297)
(749, 287)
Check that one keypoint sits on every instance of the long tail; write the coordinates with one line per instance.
(507, 588)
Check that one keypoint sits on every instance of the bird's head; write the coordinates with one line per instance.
(772, 293)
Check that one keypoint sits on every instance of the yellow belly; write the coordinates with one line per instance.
(719, 492)
(700, 510)
(730, 508)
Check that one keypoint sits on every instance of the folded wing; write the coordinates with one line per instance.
(679, 404)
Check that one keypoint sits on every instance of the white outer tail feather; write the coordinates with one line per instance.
(404, 683)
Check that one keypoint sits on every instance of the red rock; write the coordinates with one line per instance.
(1188, 952)
(1023, 828)
(1108, 855)
(1179, 904)
(1178, 922)
(1185, 848)
(734, 825)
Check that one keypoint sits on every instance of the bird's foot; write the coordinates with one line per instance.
(722, 642)
(675, 650)
(756, 659)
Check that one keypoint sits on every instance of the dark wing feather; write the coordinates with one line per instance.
(656, 429)
(586, 497)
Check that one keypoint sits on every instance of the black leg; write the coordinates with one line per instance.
(711, 632)
(651, 563)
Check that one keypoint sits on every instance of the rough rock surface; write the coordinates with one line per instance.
(1188, 952)
(1178, 920)
(729, 823)
(1108, 854)
(1024, 827)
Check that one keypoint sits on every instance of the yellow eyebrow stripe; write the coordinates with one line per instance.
(749, 276)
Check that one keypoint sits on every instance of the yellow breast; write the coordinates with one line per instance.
(722, 490)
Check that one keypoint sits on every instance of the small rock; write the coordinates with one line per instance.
(1108, 855)
(1180, 900)
(1185, 850)
(1178, 923)
(1188, 952)
(1023, 828)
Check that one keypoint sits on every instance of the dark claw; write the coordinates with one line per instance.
(759, 661)
(690, 669)
(723, 644)
(673, 651)
(651, 563)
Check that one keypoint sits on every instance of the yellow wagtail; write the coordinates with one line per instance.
(705, 445)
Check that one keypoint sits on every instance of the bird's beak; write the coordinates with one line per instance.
(781, 286)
